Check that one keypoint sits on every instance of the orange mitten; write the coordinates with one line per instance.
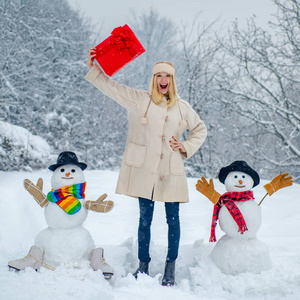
(208, 190)
(99, 205)
(277, 183)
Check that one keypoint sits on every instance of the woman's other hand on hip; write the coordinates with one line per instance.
(176, 145)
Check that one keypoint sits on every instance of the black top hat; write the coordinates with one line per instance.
(67, 158)
(240, 166)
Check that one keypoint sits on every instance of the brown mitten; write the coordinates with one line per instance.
(36, 191)
(277, 183)
(208, 190)
(99, 205)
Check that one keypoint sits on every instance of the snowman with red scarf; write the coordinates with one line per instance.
(65, 240)
(239, 217)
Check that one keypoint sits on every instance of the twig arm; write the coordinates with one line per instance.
(262, 199)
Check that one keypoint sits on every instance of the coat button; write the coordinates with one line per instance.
(161, 178)
(161, 156)
(167, 119)
(163, 138)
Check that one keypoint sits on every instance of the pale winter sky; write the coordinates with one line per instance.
(113, 13)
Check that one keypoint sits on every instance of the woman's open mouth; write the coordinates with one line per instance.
(163, 86)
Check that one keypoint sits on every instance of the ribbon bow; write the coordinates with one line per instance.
(121, 38)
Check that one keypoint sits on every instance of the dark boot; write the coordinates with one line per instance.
(169, 275)
(143, 268)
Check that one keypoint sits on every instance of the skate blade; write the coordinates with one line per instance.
(107, 276)
(11, 269)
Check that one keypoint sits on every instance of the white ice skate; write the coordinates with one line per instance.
(34, 259)
(98, 263)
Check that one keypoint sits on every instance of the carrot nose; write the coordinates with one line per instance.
(68, 174)
(240, 182)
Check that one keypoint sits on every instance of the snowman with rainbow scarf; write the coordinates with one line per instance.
(239, 216)
(65, 240)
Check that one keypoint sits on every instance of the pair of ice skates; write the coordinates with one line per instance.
(34, 259)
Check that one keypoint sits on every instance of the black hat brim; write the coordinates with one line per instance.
(81, 165)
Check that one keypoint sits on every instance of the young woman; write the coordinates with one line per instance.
(152, 168)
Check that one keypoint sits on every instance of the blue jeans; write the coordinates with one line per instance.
(144, 232)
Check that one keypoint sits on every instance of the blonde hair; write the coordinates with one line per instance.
(163, 66)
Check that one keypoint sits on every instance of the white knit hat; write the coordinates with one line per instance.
(164, 66)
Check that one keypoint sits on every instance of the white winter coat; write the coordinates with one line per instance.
(149, 164)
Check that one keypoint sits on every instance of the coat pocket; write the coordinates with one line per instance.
(176, 164)
(135, 155)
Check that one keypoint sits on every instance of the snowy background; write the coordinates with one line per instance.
(21, 219)
(243, 82)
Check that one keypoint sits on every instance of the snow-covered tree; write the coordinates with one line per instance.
(261, 84)
(199, 63)
(43, 47)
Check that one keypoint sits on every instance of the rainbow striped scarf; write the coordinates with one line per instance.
(67, 197)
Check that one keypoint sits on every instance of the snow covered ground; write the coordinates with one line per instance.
(21, 219)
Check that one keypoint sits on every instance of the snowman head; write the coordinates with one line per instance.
(238, 177)
(67, 170)
(238, 182)
(66, 175)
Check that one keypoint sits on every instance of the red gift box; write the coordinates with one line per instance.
(119, 49)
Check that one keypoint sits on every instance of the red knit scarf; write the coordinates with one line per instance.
(228, 200)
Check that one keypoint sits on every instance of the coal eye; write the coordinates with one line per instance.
(243, 176)
(235, 176)
(73, 170)
(62, 170)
